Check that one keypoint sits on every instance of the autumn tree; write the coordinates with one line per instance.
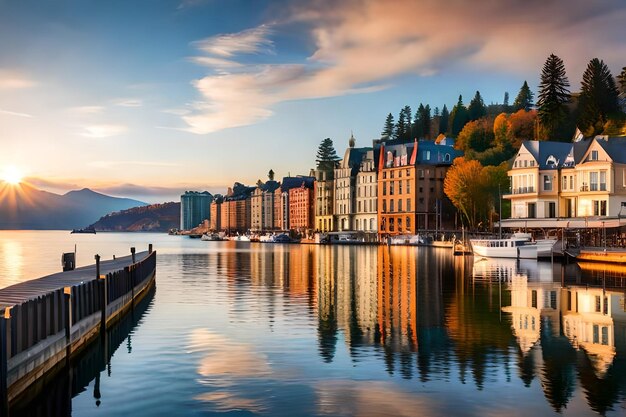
(501, 129)
(521, 127)
(463, 186)
(388, 129)
(553, 96)
(598, 97)
(476, 108)
(476, 135)
(524, 99)
(326, 155)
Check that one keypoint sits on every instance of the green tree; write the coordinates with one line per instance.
(444, 119)
(598, 97)
(326, 155)
(458, 117)
(476, 108)
(524, 99)
(505, 103)
(417, 129)
(270, 175)
(403, 127)
(388, 130)
(622, 81)
(553, 96)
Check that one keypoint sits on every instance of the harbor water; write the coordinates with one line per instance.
(239, 328)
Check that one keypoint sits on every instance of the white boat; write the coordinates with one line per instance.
(210, 237)
(519, 245)
(240, 238)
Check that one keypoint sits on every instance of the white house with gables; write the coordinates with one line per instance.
(584, 181)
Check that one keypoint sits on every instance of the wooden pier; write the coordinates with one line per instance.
(44, 321)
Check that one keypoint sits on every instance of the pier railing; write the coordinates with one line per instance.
(38, 333)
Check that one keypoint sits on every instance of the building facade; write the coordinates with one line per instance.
(236, 209)
(324, 200)
(410, 187)
(366, 208)
(215, 222)
(285, 206)
(195, 207)
(301, 208)
(345, 186)
(583, 179)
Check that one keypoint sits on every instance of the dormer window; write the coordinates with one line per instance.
(593, 156)
(551, 161)
(446, 158)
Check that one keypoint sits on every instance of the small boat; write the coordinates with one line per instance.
(195, 236)
(89, 229)
(519, 245)
(211, 237)
(240, 238)
(282, 238)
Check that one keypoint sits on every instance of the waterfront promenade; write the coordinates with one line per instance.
(44, 321)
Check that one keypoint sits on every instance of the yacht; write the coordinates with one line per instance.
(519, 245)
(209, 237)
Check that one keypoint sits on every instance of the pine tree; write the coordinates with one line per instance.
(408, 119)
(416, 129)
(598, 97)
(326, 155)
(458, 117)
(505, 103)
(443, 121)
(387, 132)
(436, 112)
(425, 120)
(403, 127)
(622, 81)
(476, 108)
(524, 99)
(553, 96)
(270, 175)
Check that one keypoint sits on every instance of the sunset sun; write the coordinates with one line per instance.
(12, 175)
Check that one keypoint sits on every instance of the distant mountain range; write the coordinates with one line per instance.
(26, 207)
(152, 218)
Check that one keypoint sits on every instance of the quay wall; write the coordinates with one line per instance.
(48, 326)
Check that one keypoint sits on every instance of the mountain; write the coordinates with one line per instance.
(152, 218)
(26, 207)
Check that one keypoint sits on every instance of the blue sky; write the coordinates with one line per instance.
(149, 98)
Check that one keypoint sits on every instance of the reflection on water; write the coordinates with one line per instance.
(359, 331)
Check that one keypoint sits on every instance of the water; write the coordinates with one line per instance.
(303, 330)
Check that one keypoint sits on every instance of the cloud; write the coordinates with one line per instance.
(84, 110)
(11, 80)
(129, 102)
(249, 41)
(360, 46)
(103, 130)
(110, 164)
(13, 113)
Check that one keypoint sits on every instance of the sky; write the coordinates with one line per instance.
(148, 98)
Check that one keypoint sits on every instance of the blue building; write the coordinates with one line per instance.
(195, 207)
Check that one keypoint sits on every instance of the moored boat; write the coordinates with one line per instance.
(211, 237)
(519, 245)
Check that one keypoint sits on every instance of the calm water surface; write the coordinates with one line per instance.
(289, 330)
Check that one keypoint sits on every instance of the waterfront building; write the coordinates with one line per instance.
(301, 208)
(236, 208)
(262, 206)
(215, 222)
(278, 209)
(366, 207)
(195, 207)
(345, 186)
(410, 186)
(583, 179)
(302, 205)
(324, 200)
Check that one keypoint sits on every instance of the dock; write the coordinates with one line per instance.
(43, 322)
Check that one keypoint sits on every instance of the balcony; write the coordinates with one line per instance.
(523, 190)
(593, 187)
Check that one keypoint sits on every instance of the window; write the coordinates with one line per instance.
(571, 182)
(446, 158)
(421, 173)
(392, 174)
(408, 223)
(384, 188)
(596, 333)
(391, 206)
(399, 225)
(427, 155)
(391, 188)
(593, 156)
(598, 302)
(400, 205)
(593, 181)
(400, 174)
(602, 180)
(408, 205)
(534, 299)
(384, 175)
(525, 164)
(384, 206)
(547, 183)
(564, 182)
(408, 186)
(532, 163)
(359, 206)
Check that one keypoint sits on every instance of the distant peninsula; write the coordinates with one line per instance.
(151, 218)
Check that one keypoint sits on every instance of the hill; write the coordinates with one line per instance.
(152, 218)
(26, 207)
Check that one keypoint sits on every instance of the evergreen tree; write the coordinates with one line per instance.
(403, 127)
(505, 103)
(553, 96)
(425, 120)
(458, 117)
(326, 155)
(443, 121)
(387, 132)
(598, 97)
(408, 118)
(524, 99)
(270, 175)
(436, 112)
(622, 81)
(476, 108)
(417, 131)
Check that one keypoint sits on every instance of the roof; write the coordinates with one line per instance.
(270, 186)
(428, 153)
(298, 181)
(548, 154)
(615, 147)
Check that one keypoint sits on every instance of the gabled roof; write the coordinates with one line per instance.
(615, 147)
(545, 152)
(294, 182)
(270, 186)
